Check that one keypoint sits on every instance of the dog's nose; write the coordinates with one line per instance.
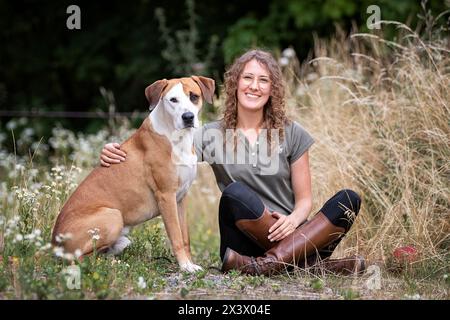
(188, 117)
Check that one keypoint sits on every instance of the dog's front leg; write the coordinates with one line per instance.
(168, 206)
(184, 226)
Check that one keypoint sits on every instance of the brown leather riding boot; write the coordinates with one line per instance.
(235, 261)
(304, 241)
(258, 229)
(351, 265)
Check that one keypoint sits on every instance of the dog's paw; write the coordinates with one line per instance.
(190, 267)
(119, 246)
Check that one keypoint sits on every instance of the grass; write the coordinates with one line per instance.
(379, 113)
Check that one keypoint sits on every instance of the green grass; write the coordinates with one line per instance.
(381, 127)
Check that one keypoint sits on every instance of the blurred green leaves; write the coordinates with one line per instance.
(124, 46)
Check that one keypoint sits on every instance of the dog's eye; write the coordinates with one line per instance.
(174, 100)
(194, 98)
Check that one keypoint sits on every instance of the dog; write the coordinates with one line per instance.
(161, 165)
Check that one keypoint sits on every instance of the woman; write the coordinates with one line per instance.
(263, 212)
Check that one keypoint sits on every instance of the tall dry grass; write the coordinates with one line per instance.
(379, 113)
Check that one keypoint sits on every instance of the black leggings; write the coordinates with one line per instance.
(238, 201)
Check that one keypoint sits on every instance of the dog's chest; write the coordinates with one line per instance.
(185, 161)
(186, 175)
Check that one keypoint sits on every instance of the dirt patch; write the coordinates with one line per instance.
(225, 287)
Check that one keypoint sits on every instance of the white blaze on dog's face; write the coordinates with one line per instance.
(178, 101)
(183, 103)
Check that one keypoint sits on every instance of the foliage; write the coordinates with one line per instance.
(182, 52)
(379, 112)
(123, 48)
(293, 22)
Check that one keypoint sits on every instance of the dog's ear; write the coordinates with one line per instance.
(207, 86)
(153, 92)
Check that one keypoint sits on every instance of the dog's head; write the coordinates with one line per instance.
(181, 98)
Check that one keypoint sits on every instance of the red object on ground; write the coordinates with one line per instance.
(406, 254)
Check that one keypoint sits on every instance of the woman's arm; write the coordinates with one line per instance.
(301, 185)
(111, 154)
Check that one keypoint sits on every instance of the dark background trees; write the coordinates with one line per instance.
(125, 45)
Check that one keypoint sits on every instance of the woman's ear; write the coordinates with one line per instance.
(153, 92)
(207, 86)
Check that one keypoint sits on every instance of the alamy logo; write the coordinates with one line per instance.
(374, 280)
(74, 20)
(373, 22)
(220, 148)
(72, 275)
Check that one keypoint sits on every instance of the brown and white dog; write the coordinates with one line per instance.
(160, 166)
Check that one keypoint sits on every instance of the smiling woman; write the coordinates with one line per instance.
(254, 87)
(255, 82)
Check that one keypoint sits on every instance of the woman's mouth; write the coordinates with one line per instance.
(252, 96)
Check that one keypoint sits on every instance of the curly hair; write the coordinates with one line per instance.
(274, 113)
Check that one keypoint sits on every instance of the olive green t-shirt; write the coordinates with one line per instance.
(268, 174)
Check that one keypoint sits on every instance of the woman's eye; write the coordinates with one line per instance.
(248, 78)
(264, 80)
(194, 98)
(174, 100)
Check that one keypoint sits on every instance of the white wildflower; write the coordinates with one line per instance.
(30, 237)
(11, 125)
(78, 253)
(283, 61)
(58, 251)
(413, 297)
(141, 283)
(63, 237)
(28, 132)
(312, 76)
(46, 247)
(33, 173)
(288, 53)
(73, 185)
(94, 233)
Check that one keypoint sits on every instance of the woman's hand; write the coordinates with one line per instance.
(111, 153)
(284, 226)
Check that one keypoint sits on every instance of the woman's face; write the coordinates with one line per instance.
(254, 86)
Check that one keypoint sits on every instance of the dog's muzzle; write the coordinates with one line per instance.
(188, 119)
